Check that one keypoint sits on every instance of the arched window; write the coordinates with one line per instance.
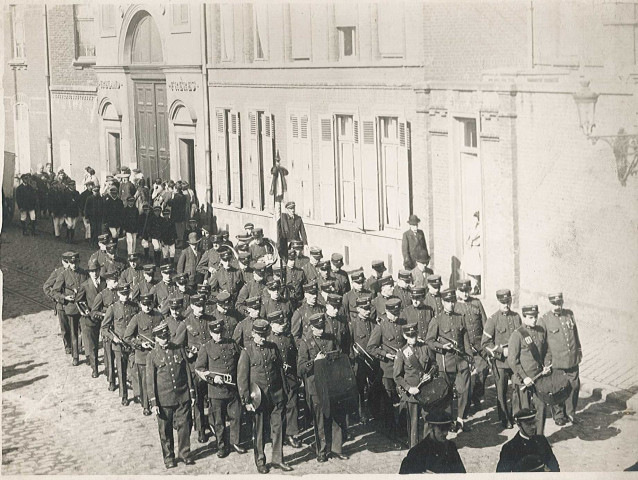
(147, 44)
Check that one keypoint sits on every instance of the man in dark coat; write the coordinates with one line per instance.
(413, 244)
(189, 258)
(178, 213)
(27, 201)
(290, 227)
(113, 208)
(526, 442)
(434, 454)
(93, 212)
(90, 324)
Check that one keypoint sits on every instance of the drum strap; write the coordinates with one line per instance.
(532, 346)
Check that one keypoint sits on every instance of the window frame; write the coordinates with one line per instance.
(17, 16)
(107, 30)
(183, 26)
(265, 49)
(82, 60)
(341, 43)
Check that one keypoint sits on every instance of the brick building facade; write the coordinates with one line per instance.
(378, 110)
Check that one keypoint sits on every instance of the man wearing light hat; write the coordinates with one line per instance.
(496, 334)
(170, 386)
(413, 244)
(447, 333)
(190, 257)
(261, 364)
(526, 442)
(529, 358)
(290, 227)
(434, 454)
(564, 342)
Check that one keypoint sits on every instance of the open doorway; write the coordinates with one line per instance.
(113, 152)
(187, 160)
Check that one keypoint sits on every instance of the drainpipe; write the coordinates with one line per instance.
(207, 157)
(47, 76)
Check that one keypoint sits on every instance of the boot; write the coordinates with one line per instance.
(33, 234)
(146, 257)
(24, 227)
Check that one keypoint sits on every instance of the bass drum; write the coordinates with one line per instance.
(434, 393)
(553, 389)
(336, 384)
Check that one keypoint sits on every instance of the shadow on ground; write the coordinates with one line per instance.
(19, 368)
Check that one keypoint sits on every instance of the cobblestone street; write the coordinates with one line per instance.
(56, 419)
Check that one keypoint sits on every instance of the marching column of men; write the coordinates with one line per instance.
(221, 333)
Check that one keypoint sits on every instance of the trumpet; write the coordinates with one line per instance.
(455, 349)
(146, 339)
(226, 377)
(83, 308)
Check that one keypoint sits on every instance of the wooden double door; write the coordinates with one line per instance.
(151, 129)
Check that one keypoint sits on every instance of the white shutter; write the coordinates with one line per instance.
(254, 187)
(235, 159)
(327, 163)
(306, 165)
(221, 196)
(358, 175)
(370, 178)
(268, 147)
(295, 178)
(403, 170)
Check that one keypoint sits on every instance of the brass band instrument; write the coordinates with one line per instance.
(455, 349)
(227, 379)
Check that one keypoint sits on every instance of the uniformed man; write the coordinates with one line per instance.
(47, 288)
(116, 320)
(378, 269)
(385, 293)
(350, 298)
(197, 334)
(102, 302)
(418, 312)
(260, 246)
(564, 343)
(337, 323)
(474, 315)
(243, 262)
(170, 387)
(243, 240)
(226, 313)
(227, 277)
(165, 287)
(365, 367)
(529, 359)
(298, 246)
(184, 290)
(414, 365)
(190, 257)
(209, 263)
(496, 334)
(217, 365)
(260, 364)
(295, 279)
(310, 267)
(299, 324)
(433, 295)
(281, 337)
(90, 324)
(342, 282)
(448, 337)
(175, 320)
(385, 341)
(402, 288)
(134, 272)
(100, 254)
(329, 426)
(290, 227)
(146, 283)
(325, 289)
(139, 333)
(224, 236)
(243, 331)
(275, 302)
(434, 454)
(65, 290)
(526, 442)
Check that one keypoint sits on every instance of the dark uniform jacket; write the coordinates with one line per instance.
(133, 276)
(243, 332)
(434, 302)
(231, 319)
(144, 224)
(103, 300)
(451, 326)
(252, 288)
(88, 292)
(497, 331)
(155, 226)
(406, 370)
(210, 258)
(310, 270)
(387, 337)
(197, 332)
(521, 354)
(403, 294)
(231, 280)
(474, 318)
(378, 304)
(162, 290)
(26, 197)
(562, 339)
(268, 305)
(168, 378)
(142, 324)
(168, 233)
(142, 288)
(372, 285)
(519, 447)
(413, 245)
(257, 251)
(288, 352)
(219, 357)
(432, 456)
(261, 364)
(299, 324)
(47, 287)
(187, 263)
(340, 329)
(117, 318)
(127, 189)
(71, 200)
(68, 282)
(177, 327)
(360, 331)
(290, 228)
(295, 280)
(309, 347)
(350, 302)
(54, 201)
(178, 207)
(421, 315)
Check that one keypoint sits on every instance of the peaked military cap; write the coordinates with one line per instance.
(448, 295)
(405, 274)
(364, 301)
(555, 298)
(393, 304)
(317, 320)
(418, 292)
(524, 415)
(438, 417)
(149, 268)
(253, 302)
(410, 330)
(161, 329)
(276, 317)
(383, 281)
(463, 285)
(216, 326)
(261, 326)
(434, 279)
(378, 265)
(93, 265)
(504, 295)
(198, 300)
(334, 299)
(358, 276)
(316, 252)
(148, 299)
(529, 310)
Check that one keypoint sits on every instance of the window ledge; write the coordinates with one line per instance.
(18, 63)
(83, 62)
(390, 233)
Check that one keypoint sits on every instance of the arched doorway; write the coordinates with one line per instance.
(151, 119)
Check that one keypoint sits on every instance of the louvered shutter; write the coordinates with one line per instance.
(358, 175)
(221, 174)
(254, 188)
(370, 177)
(235, 159)
(306, 165)
(268, 147)
(403, 169)
(327, 164)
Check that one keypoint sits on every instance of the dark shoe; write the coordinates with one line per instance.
(454, 427)
(67, 351)
(293, 442)
(574, 420)
(321, 458)
(125, 402)
(262, 469)
(95, 374)
(146, 412)
(239, 449)
(282, 466)
(189, 461)
(340, 456)
(202, 437)
(76, 362)
(223, 453)
(170, 464)
(509, 425)
(112, 387)
(136, 399)
(464, 427)
(561, 422)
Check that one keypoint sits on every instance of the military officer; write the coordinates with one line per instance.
(365, 367)
(183, 290)
(116, 320)
(281, 337)
(310, 267)
(260, 246)
(227, 277)
(325, 276)
(170, 386)
(215, 361)
(402, 288)
(197, 334)
(298, 246)
(448, 337)
(227, 313)
(90, 323)
(260, 364)
(564, 343)
(529, 359)
(134, 272)
(243, 263)
(313, 346)
(496, 334)
(342, 281)
(165, 287)
(295, 279)
(474, 315)
(414, 365)
(434, 454)
(433, 295)
(526, 442)
(64, 291)
(254, 287)
(139, 333)
(385, 341)
(325, 289)
(243, 331)
(378, 268)
(299, 323)
(275, 302)
(337, 323)
(386, 289)
(103, 300)
(418, 312)
(100, 254)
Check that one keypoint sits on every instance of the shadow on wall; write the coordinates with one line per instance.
(455, 271)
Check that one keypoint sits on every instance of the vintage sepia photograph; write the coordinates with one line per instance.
(326, 237)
